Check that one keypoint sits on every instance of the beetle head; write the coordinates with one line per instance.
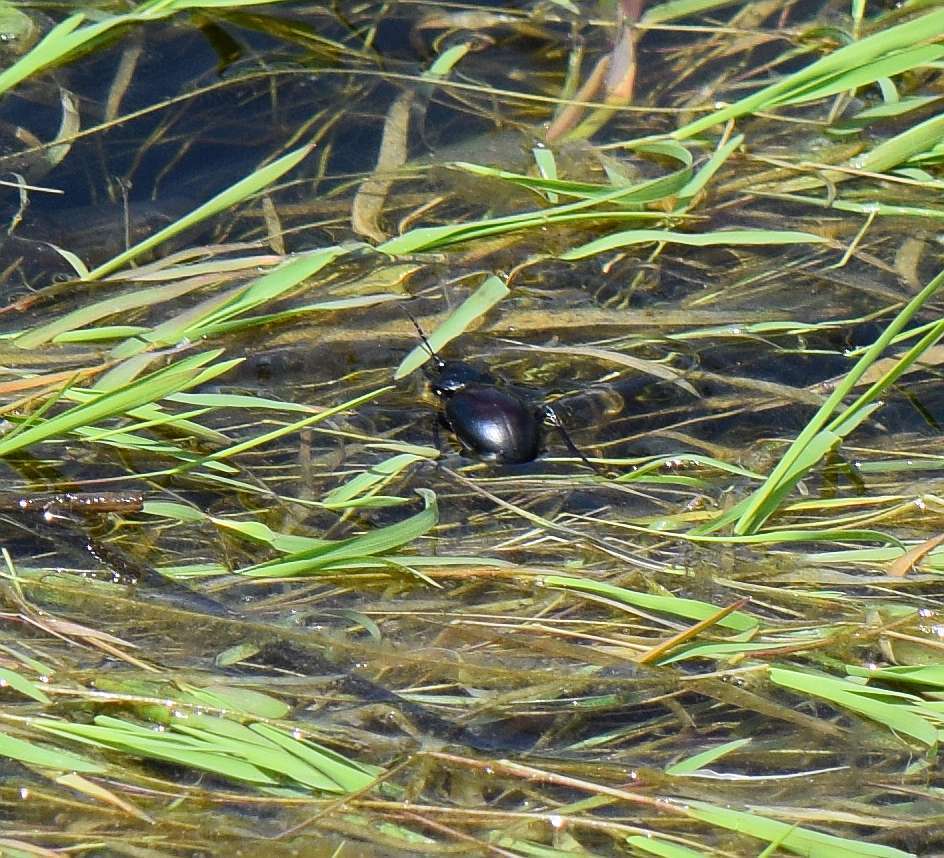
(451, 376)
(447, 377)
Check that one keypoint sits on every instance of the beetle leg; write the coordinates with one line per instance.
(439, 421)
(552, 419)
(445, 448)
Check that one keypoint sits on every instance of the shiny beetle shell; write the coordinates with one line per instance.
(494, 423)
(489, 420)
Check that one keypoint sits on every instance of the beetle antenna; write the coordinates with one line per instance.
(552, 418)
(439, 361)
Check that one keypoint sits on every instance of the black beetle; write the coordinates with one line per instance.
(490, 420)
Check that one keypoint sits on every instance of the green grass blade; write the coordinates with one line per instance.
(374, 542)
(228, 327)
(757, 507)
(47, 758)
(705, 758)
(762, 237)
(257, 531)
(857, 55)
(346, 774)
(490, 293)
(698, 182)
(690, 609)
(801, 841)
(724, 651)
(914, 141)
(239, 701)
(633, 194)
(270, 287)
(68, 37)
(431, 237)
(923, 674)
(897, 717)
(172, 379)
(226, 199)
(663, 848)
(93, 312)
(58, 42)
(854, 78)
(371, 481)
(171, 747)
(290, 428)
(266, 757)
(11, 679)
(673, 10)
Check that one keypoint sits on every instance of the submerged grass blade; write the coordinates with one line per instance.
(800, 841)
(282, 431)
(899, 717)
(761, 237)
(172, 379)
(170, 747)
(11, 679)
(690, 609)
(705, 758)
(93, 312)
(69, 36)
(913, 141)
(44, 757)
(663, 848)
(337, 554)
(227, 198)
(371, 481)
(428, 238)
(269, 287)
(257, 754)
(810, 445)
(861, 55)
(928, 675)
(348, 775)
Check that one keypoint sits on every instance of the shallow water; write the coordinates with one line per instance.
(443, 673)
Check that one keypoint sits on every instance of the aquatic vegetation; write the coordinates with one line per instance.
(707, 230)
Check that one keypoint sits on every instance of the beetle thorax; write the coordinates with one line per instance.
(452, 376)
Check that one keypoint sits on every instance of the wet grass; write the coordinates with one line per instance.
(324, 631)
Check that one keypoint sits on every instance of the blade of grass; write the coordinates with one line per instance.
(861, 54)
(89, 313)
(199, 321)
(47, 758)
(888, 66)
(897, 717)
(67, 37)
(705, 758)
(172, 379)
(690, 609)
(490, 293)
(371, 481)
(170, 747)
(11, 679)
(761, 237)
(290, 428)
(226, 199)
(751, 513)
(431, 237)
(801, 841)
(663, 848)
(350, 776)
(373, 542)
